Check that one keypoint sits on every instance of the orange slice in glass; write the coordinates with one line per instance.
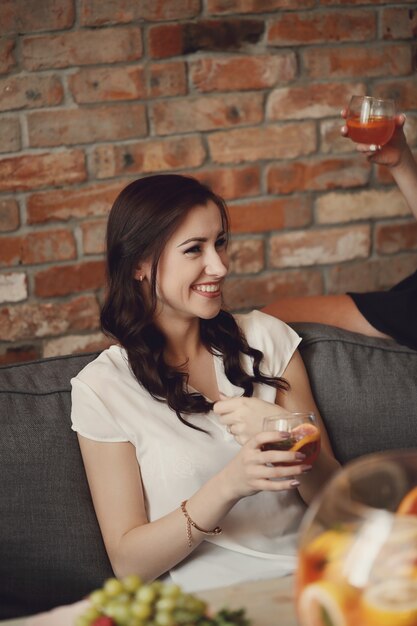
(311, 434)
(408, 505)
(390, 603)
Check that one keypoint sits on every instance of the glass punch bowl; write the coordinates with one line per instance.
(357, 561)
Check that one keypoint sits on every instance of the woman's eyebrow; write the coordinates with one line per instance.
(199, 239)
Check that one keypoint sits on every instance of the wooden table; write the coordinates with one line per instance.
(267, 603)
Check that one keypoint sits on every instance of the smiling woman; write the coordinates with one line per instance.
(200, 263)
(169, 420)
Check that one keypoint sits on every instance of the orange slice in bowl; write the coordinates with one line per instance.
(408, 505)
(323, 557)
(330, 544)
(325, 603)
(390, 603)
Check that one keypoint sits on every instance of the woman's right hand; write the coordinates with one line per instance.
(252, 471)
(244, 416)
(390, 154)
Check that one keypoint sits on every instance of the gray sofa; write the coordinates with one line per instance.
(51, 551)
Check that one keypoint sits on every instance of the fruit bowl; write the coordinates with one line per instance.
(357, 559)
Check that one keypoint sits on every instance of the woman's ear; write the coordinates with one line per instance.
(142, 271)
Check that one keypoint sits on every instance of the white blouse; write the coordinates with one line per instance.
(259, 533)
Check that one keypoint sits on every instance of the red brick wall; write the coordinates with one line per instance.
(243, 94)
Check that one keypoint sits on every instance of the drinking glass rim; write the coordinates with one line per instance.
(293, 416)
(289, 415)
(374, 99)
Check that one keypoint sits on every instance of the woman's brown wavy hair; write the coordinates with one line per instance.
(143, 218)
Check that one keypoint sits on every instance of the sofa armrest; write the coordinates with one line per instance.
(365, 389)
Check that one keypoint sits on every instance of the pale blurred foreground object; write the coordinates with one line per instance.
(61, 616)
(358, 546)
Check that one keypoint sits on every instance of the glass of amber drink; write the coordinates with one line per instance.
(301, 434)
(370, 120)
(357, 558)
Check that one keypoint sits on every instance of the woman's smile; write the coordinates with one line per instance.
(208, 290)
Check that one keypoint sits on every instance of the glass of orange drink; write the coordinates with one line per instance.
(370, 120)
(301, 434)
(357, 560)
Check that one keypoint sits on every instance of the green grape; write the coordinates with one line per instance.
(141, 610)
(169, 590)
(113, 587)
(119, 611)
(199, 606)
(123, 597)
(146, 593)
(131, 583)
(165, 604)
(164, 618)
(192, 604)
(181, 601)
(98, 598)
(91, 613)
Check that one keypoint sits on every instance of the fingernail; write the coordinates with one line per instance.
(306, 468)
(373, 148)
(294, 483)
(300, 456)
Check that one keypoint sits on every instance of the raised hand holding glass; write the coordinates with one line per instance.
(370, 120)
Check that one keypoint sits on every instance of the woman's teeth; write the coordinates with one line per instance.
(207, 288)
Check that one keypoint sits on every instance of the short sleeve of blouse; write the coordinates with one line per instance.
(90, 417)
(274, 338)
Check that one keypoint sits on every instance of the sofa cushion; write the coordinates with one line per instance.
(51, 551)
(365, 388)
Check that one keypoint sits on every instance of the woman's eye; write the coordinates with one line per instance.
(221, 242)
(193, 250)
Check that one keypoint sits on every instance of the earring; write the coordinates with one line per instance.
(140, 278)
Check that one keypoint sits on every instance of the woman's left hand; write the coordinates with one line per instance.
(244, 417)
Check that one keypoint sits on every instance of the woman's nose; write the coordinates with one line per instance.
(217, 265)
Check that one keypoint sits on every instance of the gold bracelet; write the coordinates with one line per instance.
(190, 522)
